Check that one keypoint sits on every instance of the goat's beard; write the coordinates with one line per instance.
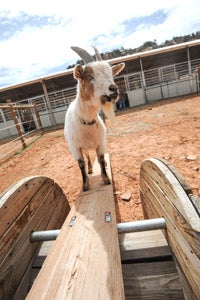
(108, 109)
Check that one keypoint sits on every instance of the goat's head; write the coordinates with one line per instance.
(95, 78)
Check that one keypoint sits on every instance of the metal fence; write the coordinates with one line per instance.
(140, 88)
(21, 126)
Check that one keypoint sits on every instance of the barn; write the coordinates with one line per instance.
(149, 76)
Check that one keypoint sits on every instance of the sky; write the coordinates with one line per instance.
(36, 35)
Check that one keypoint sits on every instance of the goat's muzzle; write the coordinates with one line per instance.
(111, 97)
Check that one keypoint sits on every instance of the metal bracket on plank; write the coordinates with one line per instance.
(107, 217)
(72, 221)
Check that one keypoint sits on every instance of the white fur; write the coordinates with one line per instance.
(95, 82)
(81, 136)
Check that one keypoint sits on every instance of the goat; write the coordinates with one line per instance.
(84, 129)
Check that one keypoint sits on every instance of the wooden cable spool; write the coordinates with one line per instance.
(165, 193)
(33, 203)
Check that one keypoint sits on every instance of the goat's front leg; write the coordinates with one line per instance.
(102, 163)
(90, 170)
(82, 167)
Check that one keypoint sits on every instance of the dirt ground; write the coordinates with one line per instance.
(169, 129)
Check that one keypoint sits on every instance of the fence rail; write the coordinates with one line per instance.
(23, 125)
(141, 87)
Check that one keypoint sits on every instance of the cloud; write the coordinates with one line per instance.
(36, 36)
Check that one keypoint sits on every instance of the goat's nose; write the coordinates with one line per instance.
(113, 88)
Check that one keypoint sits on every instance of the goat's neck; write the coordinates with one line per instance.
(87, 111)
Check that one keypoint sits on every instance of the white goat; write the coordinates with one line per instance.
(84, 128)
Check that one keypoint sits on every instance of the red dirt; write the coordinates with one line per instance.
(168, 129)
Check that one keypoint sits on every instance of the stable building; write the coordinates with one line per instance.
(149, 76)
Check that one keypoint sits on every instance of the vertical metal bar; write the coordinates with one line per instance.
(37, 116)
(143, 80)
(189, 61)
(142, 72)
(51, 114)
(189, 69)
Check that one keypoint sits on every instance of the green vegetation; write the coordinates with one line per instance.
(148, 45)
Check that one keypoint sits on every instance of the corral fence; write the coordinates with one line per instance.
(161, 83)
(22, 125)
(139, 88)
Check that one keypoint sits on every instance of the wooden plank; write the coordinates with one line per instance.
(148, 269)
(152, 281)
(22, 106)
(15, 119)
(17, 195)
(133, 246)
(24, 284)
(163, 196)
(42, 254)
(84, 262)
(37, 203)
(195, 200)
(142, 245)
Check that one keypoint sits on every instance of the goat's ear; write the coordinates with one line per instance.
(78, 72)
(117, 68)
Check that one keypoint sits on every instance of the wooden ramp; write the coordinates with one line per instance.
(33, 203)
(165, 193)
(84, 262)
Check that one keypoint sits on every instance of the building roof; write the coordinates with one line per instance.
(156, 51)
(64, 79)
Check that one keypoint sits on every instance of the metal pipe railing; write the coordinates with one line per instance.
(136, 226)
(42, 236)
(143, 225)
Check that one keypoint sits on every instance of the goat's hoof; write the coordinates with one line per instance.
(86, 187)
(106, 181)
(90, 171)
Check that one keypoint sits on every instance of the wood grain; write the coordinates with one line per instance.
(146, 273)
(84, 262)
(163, 196)
(33, 203)
(152, 281)
(142, 245)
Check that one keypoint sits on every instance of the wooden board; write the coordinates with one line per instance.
(33, 203)
(154, 280)
(133, 247)
(149, 271)
(163, 195)
(84, 262)
(146, 262)
(143, 245)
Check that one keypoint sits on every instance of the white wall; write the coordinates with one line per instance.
(136, 97)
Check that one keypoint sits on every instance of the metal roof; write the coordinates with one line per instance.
(155, 51)
(65, 78)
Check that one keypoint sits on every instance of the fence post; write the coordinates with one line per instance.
(37, 115)
(51, 114)
(143, 81)
(20, 134)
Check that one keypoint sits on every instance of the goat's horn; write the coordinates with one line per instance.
(97, 53)
(86, 57)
